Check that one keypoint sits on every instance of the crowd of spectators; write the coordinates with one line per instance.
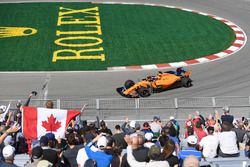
(131, 144)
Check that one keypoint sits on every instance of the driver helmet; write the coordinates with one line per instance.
(179, 70)
(159, 73)
(150, 78)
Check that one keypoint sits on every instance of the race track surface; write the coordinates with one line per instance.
(229, 76)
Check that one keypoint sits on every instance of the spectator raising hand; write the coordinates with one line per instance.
(12, 129)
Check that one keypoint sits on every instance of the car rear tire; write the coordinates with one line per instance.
(186, 82)
(144, 92)
(129, 83)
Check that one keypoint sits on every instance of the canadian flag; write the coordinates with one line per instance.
(39, 121)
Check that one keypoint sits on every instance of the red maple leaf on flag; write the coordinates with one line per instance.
(52, 124)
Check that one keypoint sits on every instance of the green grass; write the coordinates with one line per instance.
(131, 34)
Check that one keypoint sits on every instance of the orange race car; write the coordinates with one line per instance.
(154, 84)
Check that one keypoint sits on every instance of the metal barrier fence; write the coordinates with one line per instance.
(146, 108)
(115, 110)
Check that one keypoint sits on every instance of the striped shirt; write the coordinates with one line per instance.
(189, 151)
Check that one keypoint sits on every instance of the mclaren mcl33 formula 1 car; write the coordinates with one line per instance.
(154, 84)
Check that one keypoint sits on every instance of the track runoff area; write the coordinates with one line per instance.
(84, 36)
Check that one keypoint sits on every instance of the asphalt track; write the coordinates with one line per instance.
(229, 76)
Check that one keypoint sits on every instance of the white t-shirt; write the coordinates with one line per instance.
(228, 142)
(209, 144)
(156, 128)
(81, 157)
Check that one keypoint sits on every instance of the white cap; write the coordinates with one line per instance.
(132, 124)
(8, 140)
(171, 118)
(192, 139)
(102, 142)
(2, 109)
(225, 109)
(8, 151)
(149, 136)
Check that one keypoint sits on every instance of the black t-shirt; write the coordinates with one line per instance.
(50, 155)
(71, 154)
(140, 154)
(119, 140)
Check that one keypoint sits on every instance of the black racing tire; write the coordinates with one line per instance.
(144, 92)
(129, 83)
(186, 82)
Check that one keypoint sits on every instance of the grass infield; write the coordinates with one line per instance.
(127, 35)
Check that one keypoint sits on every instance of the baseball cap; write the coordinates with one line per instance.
(37, 152)
(44, 163)
(149, 136)
(102, 142)
(50, 136)
(2, 109)
(225, 109)
(8, 151)
(156, 117)
(192, 139)
(132, 124)
(154, 152)
(44, 140)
